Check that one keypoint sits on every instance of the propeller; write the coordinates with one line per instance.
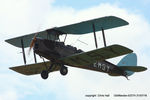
(32, 43)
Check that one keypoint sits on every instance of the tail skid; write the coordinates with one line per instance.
(127, 77)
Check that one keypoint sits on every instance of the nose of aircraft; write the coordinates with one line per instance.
(36, 43)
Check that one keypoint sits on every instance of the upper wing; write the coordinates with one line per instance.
(87, 58)
(47, 34)
(78, 28)
(87, 26)
(32, 69)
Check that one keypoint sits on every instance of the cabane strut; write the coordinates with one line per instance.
(34, 56)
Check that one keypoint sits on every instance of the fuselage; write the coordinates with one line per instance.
(53, 51)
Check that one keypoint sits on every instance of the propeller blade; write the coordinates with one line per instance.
(32, 43)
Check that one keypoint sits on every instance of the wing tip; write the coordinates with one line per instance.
(129, 50)
(125, 22)
(17, 70)
(12, 68)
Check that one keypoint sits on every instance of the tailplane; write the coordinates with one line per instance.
(133, 68)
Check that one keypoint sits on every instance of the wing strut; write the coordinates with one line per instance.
(104, 37)
(24, 57)
(94, 35)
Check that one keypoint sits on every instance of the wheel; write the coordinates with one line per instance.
(44, 74)
(63, 70)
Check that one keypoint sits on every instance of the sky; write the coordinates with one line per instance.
(20, 17)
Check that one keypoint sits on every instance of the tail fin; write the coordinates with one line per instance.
(129, 64)
(129, 60)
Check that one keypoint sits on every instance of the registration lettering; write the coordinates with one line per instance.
(104, 67)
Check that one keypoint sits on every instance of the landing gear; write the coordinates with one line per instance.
(63, 70)
(44, 74)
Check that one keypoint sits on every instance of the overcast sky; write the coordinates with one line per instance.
(19, 17)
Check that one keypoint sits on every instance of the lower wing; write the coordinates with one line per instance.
(32, 69)
(90, 57)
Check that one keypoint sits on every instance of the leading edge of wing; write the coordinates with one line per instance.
(84, 27)
(90, 57)
(32, 69)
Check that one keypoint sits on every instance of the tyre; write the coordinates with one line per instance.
(63, 70)
(44, 74)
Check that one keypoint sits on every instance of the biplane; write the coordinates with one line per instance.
(47, 45)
